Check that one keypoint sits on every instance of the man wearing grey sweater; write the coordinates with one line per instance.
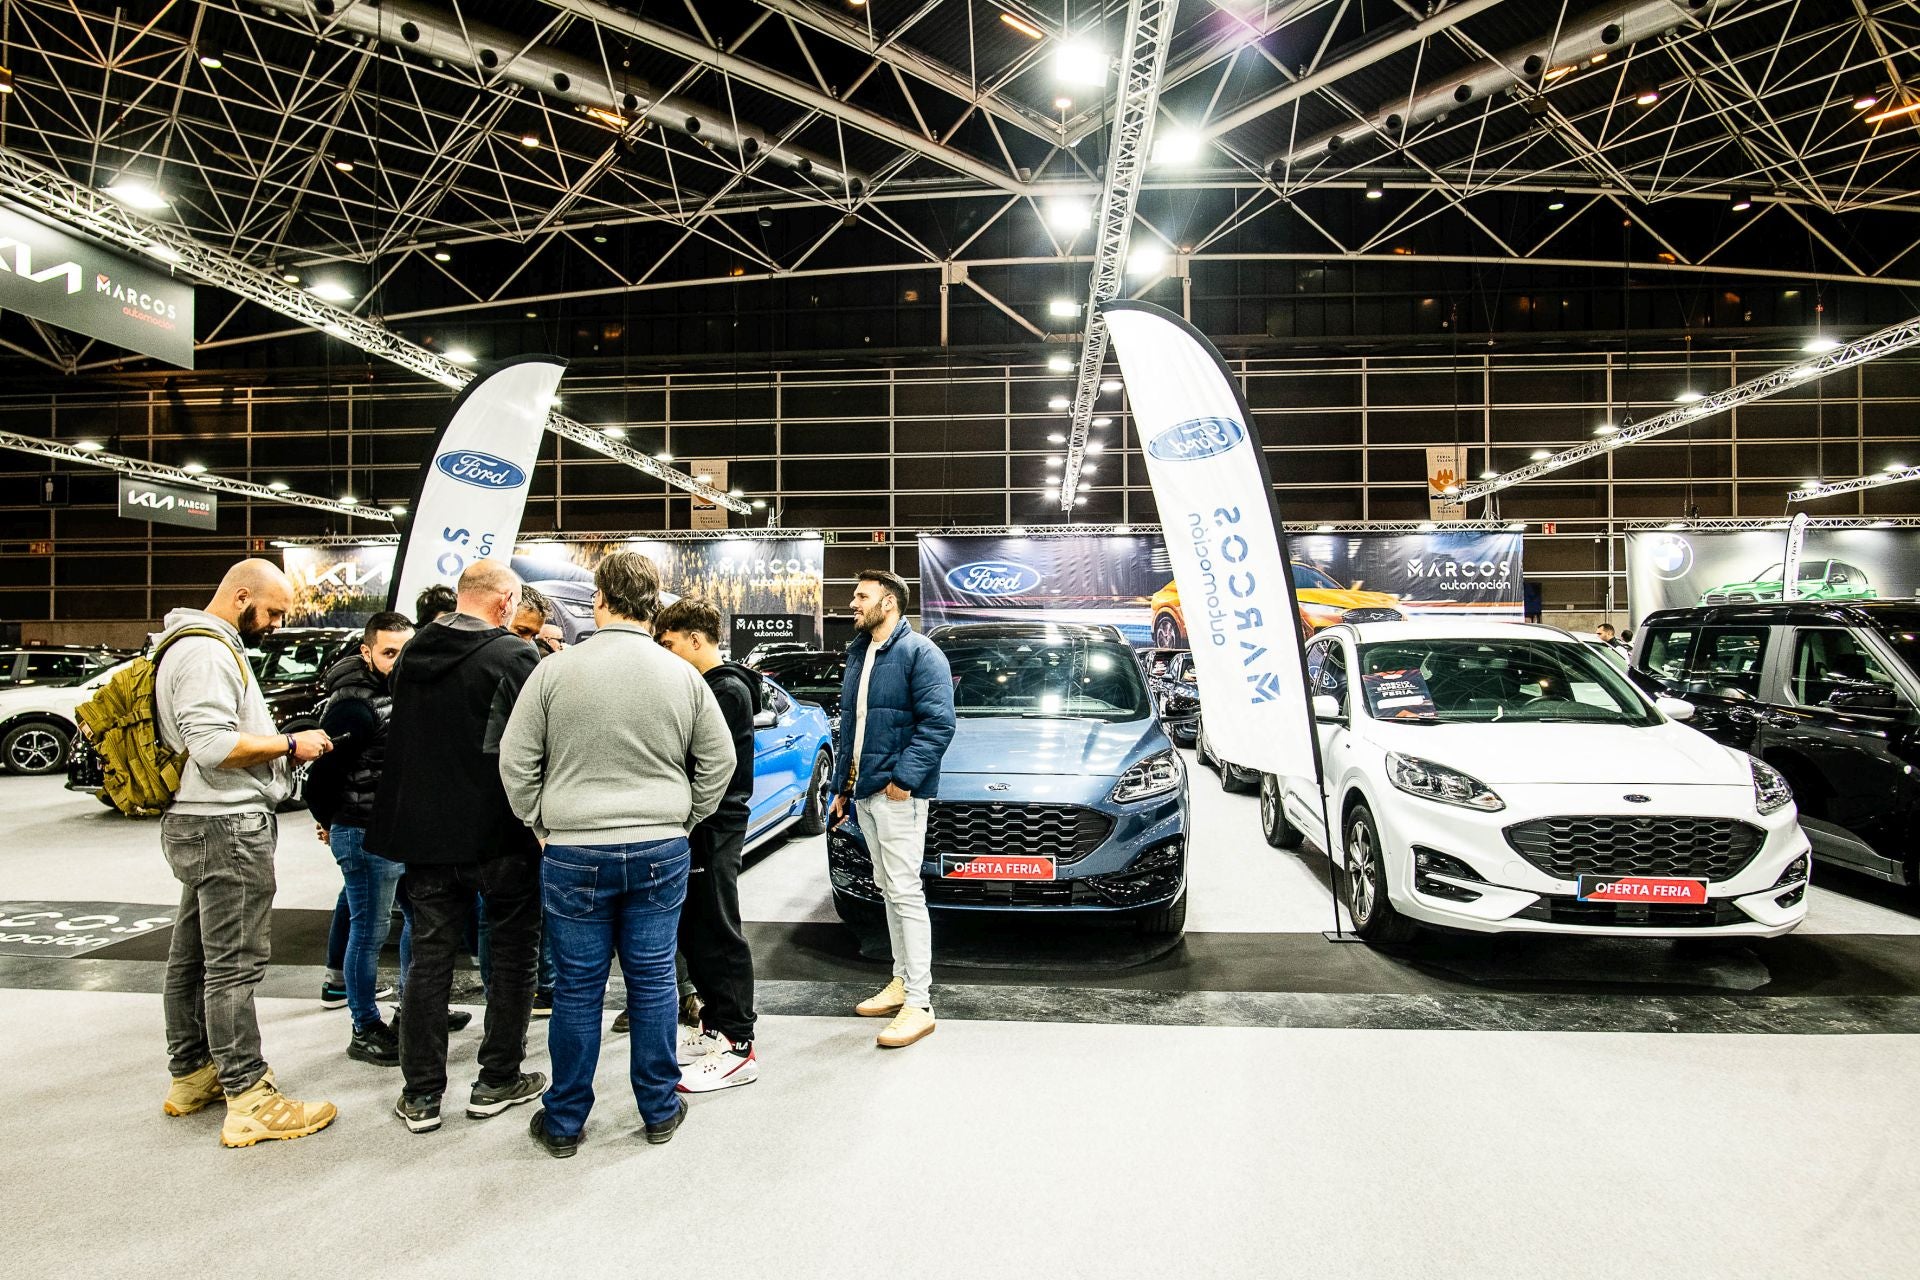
(615, 751)
(219, 839)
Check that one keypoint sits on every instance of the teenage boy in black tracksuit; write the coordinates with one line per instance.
(718, 1054)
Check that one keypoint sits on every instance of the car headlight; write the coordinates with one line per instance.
(1154, 776)
(1770, 791)
(1432, 781)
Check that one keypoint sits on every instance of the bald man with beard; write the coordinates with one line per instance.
(219, 839)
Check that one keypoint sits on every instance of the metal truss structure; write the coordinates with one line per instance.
(1697, 406)
(1737, 526)
(1292, 526)
(140, 469)
(534, 540)
(1813, 493)
(1147, 32)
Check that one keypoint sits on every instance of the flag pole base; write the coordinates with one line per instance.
(1342, 936)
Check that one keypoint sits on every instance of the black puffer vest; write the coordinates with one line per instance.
(352, 679)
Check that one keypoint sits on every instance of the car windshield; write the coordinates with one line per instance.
(807, 675)
(1810, 571)
(1308, 578)
(1048, 675)
(1496, 681)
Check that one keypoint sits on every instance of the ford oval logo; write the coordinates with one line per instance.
(482, 470)
(1637, 798)
(993, 578)
(1196, 438)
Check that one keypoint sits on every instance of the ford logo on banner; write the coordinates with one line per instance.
(1196, 438)
(993, 578)
(482, 470)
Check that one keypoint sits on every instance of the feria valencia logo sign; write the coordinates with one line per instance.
(482, 470)
(1196, 438)
(993, 578)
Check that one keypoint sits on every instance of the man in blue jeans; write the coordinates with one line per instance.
(596, 759)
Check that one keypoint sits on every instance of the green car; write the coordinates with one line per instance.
(1819, 580)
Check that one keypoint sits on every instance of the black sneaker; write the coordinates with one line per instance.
(422, 1114)
(543, 1004)
(333, 995)
(457, 1019)
(378, 1044)
(622, 1025)
(491, 1099)
(558, 1148)
(664, 1131)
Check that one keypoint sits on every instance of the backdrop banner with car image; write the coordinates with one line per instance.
(743, 576)
(1681, 569)
(1125, 580)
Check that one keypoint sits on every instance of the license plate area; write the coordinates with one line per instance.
(1644, 890)
(996, 867)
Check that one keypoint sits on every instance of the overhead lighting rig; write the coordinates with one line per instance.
(1816, 492)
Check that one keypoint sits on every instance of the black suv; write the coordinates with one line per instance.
(1825, 692)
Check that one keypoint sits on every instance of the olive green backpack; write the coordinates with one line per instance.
(141, 772)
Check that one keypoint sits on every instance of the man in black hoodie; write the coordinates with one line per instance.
(718, 1054)
(442, 811)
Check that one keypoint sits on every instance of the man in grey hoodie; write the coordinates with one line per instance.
(219, 838)
(615, 751)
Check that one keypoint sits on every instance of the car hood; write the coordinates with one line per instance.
(1091, 748)
(1346, 599)
(1758, 586)
(1670, 754)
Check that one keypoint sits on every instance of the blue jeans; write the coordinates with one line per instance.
(370, 882)
(600, 899)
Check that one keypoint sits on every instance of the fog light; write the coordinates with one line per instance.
(1430, 864)
(1796, 871)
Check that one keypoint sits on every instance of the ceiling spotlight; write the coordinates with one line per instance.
(1080, 501)
(396, 510)
(6, 80)
(290, 277)
(663, 456)
(1557, 201)
(1056, 437)
(94, 446)
(1069, 215)
(1054, 461)
(599, 237)
(278, 486)
(1059, 364)
(1079, 62)
(343, 164)
(1147, 260)
(1488, 474)
(1087, 468)
(441, 255)
(211, 61)
(1058, 402)
(1556, 73)
(1742, 202)
(1820, 345)
(734, 493)
(1094, 446)
(530, 140)
(165, 252)
(330, 291)
(1688, 397)
(533, 315)
(1024, 27)
(1864, 101)
(759, 504)
(1103, 422)
(1809, 484)
(1063, 103)
(614, 433)
(460, 355)
(1597, 59)
(348, 500)
(1428, 526)
(705, 477)
(1891, 466)
(1063, 308)
(194, 468)
(135, 193)
(1323, 528)
(1374, 191)
(1110, 384)
(1647, 97)
(1605, 429)
(1538, 454)
(1450, 490)
(1178, 146)
(550, 402)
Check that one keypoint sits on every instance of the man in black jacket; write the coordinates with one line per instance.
(717, 1054)
(340, 794)
(442, 811)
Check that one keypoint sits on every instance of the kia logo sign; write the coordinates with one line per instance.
(482, 470)
(1196, 438)
(993, 578)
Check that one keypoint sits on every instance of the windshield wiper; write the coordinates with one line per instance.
(1054, 715)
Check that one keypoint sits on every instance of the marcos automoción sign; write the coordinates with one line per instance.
(55, 276)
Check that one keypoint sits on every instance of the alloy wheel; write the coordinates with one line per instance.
(1364, 867)
(35, 751)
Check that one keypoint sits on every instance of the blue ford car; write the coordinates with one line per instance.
(1060, 793)
(792, 766)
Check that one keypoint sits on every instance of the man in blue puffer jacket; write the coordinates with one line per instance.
(896, 719)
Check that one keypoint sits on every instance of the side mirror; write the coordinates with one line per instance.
(1327, 707)
(1674, 708)
(765, 719)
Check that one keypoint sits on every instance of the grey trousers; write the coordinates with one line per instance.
(224, 864)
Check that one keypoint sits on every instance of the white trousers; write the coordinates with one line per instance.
(896, 835)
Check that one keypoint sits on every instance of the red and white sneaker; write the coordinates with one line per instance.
(720, 1069)
(693, 1043)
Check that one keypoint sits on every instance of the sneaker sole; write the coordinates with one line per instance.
(916, 1038)
(167, 1108)
(731, 1082)
(307, 1132)
(341, 1003)
(484, 1110)
(373, 1059)
(868, 1011)
(417, 1126)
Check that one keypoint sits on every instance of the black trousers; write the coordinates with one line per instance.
(718, 960)
(442, 899)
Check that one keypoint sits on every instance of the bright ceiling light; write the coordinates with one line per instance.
(1087, 468)
(1069, 215)
(1891, 466)
(1538, 454)
(1059, 364)
(1647, 97)
(1375, 191)
(211, 61)
(1080, 501)
(1110, 384)
(1557, 201)
(1488, 474)
(1056, 438)
(1556, 73)
(94, 446)
(1063, 308)
(348, 500)
(1809, 484)
(529, 140)
(614, 433)
(1323, 528)
(278, 486)
(759, 504)
(735, 493)
(1742, 202)
(164, 252)
(1024, 27)
(663, 456)
(1516, 526)
(6, 80)
(343, 164)
(705, 477)
(1147, 260)
(1688, 397)
(1820, 345)
(1605, 429)
(1058, 402)
(135, 193)
(1063, 103)
(194, 468)
(397, 509)
(1054, 460)
(1079, 62)
(460, 355)
(1177, 146)
(1428, 526)
(337, 330)
(330, 291)
(1103, 422)
(1094, 446)
(1864, 101)
(441, 255)
(290, 277)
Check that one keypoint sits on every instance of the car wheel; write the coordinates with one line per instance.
(1200, 751)
(1169, 921)
(1167, 633)
(1374, 916)
(813, 818)
(37, 747)
(1280, 833)
(1237, 781)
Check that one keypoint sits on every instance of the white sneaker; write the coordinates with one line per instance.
(720, 1069)
(696, 1043)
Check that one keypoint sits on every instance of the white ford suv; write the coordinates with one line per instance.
(1501, 776)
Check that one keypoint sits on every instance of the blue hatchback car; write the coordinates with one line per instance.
(792, 766)
(1060, 792)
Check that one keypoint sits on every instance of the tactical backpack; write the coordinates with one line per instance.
(141, 772)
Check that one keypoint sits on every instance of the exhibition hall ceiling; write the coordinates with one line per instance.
(441, 157)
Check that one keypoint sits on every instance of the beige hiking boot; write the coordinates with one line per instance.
(192, 1092)
(884, 1004)
(910, 1024)
(264, 1112)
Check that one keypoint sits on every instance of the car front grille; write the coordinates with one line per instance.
(1711, 849)
(1063, 832)
(1633, 915)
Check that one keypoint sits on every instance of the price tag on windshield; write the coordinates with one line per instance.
(1398, 695)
